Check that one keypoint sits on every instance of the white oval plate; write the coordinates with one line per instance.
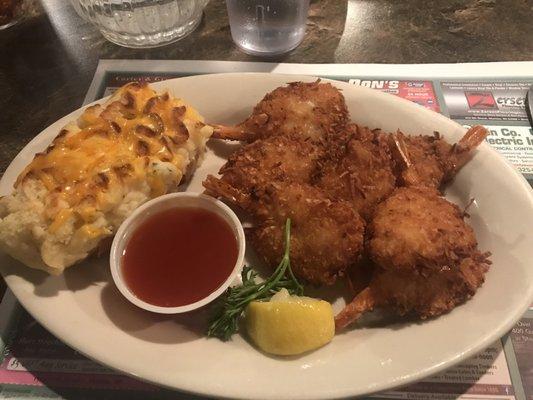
(84, 309)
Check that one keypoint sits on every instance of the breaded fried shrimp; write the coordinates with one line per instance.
(326, 235)
(430, 160)
(288, 158)
(310, 109)
(358, 170)
(426, 256)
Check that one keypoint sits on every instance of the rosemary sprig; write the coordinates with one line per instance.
(225, 320)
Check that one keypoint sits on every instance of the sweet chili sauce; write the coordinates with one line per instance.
(179, 256)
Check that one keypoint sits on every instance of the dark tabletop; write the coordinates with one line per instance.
(48, 60)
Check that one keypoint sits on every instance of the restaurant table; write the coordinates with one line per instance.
(47, 61)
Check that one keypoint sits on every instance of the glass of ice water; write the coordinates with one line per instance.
(142, 23)
(267, 27)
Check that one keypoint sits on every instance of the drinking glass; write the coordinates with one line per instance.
(267, 27)
(142, 23)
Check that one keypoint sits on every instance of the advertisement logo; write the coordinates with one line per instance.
(512, 101)
(481, 101)
(375, 84)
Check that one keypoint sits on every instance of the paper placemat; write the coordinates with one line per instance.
(36, 365)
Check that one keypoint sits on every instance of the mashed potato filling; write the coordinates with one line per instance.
(137, 146)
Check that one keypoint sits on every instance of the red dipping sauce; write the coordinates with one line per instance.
(179, 256)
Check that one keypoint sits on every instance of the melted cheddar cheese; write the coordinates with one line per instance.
(137, 146)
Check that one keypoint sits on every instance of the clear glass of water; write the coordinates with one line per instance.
(267, 27)
(142, 23)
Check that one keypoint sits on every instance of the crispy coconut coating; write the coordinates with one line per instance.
(416, 229)
(326, 235)
(426, 257)
(290, 158)
(307, 162)
(358, 168)
(430, 160)
(313, 110)
(426, 155)
(434, 294)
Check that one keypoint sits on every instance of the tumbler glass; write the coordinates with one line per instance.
(142, 23)
(267, 27)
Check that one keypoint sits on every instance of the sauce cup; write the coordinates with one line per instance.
(159, 204)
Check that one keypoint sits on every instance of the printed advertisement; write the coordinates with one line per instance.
(522, 339)
(113, 82)
(420, 92)
(515, 143)
(484, 376)
(35, 357)
(491, 101)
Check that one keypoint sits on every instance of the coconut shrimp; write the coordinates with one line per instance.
(430, 160)
(426, 257)
(326, 235)
(357, 167)
(312, 110)
(290, 158)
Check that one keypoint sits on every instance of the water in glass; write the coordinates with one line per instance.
(142, 23)
(267, 27)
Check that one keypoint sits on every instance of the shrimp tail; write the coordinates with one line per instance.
(399, 151)
(362, 303)
(228, 132)
(218, 188)
(245, 131)
(462, 151)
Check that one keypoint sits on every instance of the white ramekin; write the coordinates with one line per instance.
(162, 203)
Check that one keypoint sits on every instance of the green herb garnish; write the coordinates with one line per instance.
(225, 321)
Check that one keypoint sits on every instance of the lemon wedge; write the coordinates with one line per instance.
(289, 325)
